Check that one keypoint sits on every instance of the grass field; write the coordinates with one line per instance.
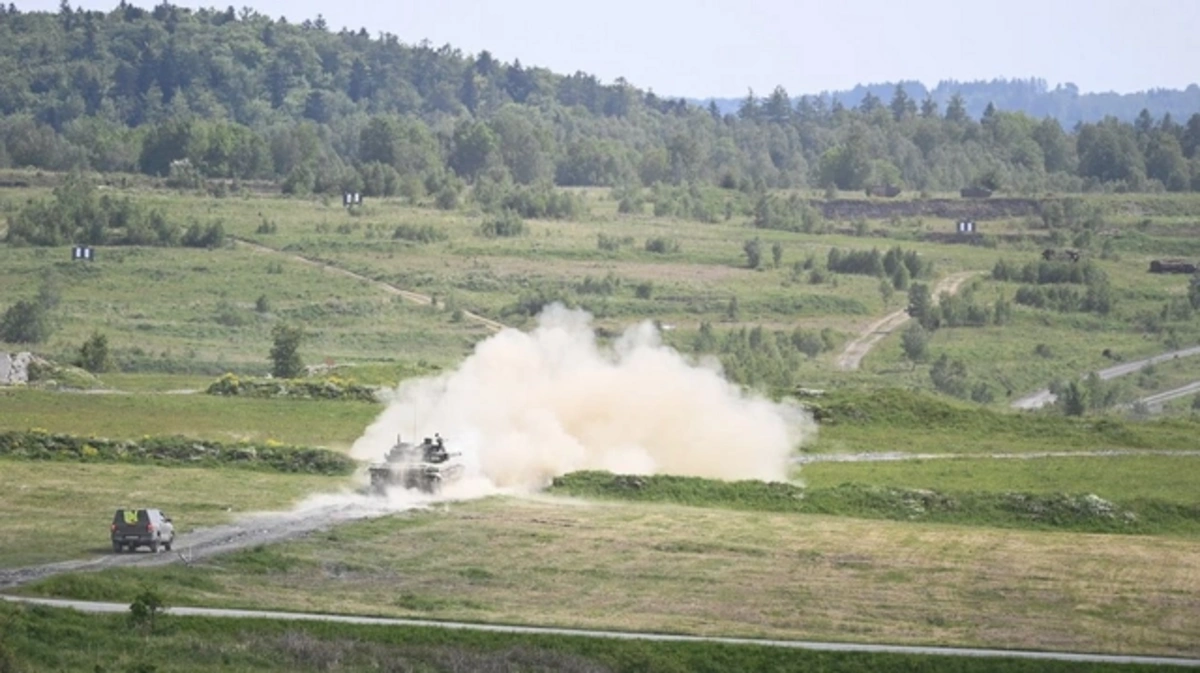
(177, 318)
(53, 511)
(709, 571)
(1120, 478)
(882, 420)
(331, 424)
(174, 310)
(50, 639)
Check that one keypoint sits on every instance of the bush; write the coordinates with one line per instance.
(662, 246)
(426, 233)
(75, 214)
(612, 243)
(1081, 512)
(211, 235)
(144, 610)
(753, 250)
(179, 451)
(508, 224)
(332, 388)
(94, 355)
(285, 360)
(26, 322)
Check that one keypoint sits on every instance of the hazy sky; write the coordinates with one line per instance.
(702, 48)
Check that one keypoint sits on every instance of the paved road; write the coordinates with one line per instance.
(1043, 397)
(88, 606)
(1157, 400)
(856, 350)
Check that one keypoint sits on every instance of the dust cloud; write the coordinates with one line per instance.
(526, 407)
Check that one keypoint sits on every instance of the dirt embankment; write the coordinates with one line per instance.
(958, 209)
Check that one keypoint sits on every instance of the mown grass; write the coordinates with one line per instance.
(40, 638)
(332, 424)
(52, 511)
(711, 571)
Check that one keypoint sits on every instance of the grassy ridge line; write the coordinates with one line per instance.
(1079, 513)
(42, 638)
(872, 418)
(174, 451)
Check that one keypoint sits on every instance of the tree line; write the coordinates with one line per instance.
(225, 94)
(1033, 96)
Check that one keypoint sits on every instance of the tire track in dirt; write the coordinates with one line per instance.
(856, 350)
(414, 297)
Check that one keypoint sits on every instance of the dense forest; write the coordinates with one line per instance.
(1034, 97)
(238, 95)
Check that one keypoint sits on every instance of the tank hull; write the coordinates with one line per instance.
(425, 467)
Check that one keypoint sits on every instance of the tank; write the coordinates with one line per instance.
(1172, 266)
(425, 467)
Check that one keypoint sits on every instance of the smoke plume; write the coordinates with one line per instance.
(526, 407)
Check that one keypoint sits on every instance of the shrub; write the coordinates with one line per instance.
(331, 388)
(181, 451)
(662, 246)
(426, 233)
(285, 360)
(508, 224)
(753, 250)
(94, 355)
(26, 321)
(612, 243)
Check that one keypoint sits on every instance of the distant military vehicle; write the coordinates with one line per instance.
(975, 192)
(1172, 266)
(1063, 255)
(886, 191)
(425, 467)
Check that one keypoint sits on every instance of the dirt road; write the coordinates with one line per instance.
(98, 607)
(1156, 401)
(856, 350)
(204, 543)
(414, 297)
(1043, 397)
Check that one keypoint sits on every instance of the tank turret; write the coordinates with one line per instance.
(425, 467)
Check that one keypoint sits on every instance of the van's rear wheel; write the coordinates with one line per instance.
(117, 547)
(154, 546)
